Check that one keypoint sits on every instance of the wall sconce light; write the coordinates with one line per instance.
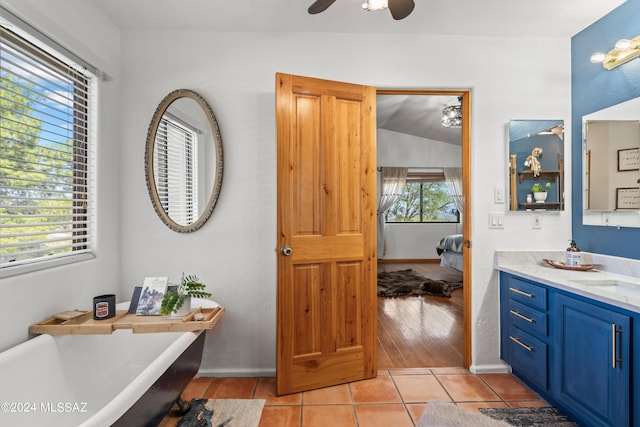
(624, 51)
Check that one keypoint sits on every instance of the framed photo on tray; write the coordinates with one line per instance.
(151, 295)
(629, 159)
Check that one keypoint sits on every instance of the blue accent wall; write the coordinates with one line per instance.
(592, 89)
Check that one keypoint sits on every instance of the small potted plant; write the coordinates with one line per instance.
(540, 191)
(178, 302)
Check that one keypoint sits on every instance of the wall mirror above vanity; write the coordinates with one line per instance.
(183, 161)
(611, 165)
(536, 165)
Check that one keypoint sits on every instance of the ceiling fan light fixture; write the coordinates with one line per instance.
(452, 115)
(375, 5)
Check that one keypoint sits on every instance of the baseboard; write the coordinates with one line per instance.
(236, 373)
(243, 373)
(502, 368)
(409, 261)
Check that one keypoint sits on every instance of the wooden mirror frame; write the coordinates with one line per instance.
(148, 164)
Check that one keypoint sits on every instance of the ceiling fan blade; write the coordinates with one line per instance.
(400, 9)
(320, 6)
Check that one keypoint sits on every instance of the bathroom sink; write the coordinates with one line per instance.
(615, 286)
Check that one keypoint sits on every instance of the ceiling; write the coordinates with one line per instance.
(417, 115)
(464, 17)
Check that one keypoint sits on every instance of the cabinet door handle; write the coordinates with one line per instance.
(518, 291)
(520, 343)
(614, 345)
(522, 316)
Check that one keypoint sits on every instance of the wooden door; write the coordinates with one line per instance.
(326, 297)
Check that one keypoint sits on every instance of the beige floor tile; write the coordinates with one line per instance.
(375, 390)
(416, 410)
(336, 395)
(410, 371)
(509, 387)
(466, 388)
(328, 415)
(281, 416)
(394, 415)
(450, 371)
(231, 388)
(196, 388)
(266, 389)
(397, 397)
(420, 388)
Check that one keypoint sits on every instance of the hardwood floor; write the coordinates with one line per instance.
(421, 332)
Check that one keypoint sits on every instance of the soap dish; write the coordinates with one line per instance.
(563, 266)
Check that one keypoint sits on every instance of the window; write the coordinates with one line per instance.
(175, 169)
(47, 155)
(425, 198)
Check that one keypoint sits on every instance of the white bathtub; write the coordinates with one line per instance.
(96, 380)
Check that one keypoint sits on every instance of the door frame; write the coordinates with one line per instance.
(466, 213)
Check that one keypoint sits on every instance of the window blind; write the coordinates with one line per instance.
(47, 155)
(175, 170)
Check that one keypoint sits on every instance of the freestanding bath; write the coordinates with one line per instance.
(121, 379)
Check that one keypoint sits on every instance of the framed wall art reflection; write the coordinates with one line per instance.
(629, 159)
(628, 198)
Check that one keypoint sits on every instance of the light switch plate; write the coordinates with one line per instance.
(496, 220)
(498, 195)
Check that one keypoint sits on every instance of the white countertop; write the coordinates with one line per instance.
(530, 265)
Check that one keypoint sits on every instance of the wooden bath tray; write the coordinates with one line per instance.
(79, 322)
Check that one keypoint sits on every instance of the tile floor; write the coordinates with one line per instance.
(396, 397)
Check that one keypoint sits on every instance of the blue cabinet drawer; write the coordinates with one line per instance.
(529, 356)
(527, 292)
(528, 319)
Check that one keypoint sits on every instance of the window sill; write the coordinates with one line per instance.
(16, 270)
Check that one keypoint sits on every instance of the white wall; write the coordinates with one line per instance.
(415, 241)
(32, 297)
(235, 252)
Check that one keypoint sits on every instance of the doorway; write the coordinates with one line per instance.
(326, 294)
(426, 331)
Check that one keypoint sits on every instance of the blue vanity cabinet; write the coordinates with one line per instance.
(593, 364)
(525, 342)
(574, 351)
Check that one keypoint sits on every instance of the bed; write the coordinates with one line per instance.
(450, 251)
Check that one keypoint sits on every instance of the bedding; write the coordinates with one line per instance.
(450, 250)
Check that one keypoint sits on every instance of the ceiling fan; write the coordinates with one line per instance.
(399, 9)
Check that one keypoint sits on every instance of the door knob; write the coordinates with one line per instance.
(286, 250)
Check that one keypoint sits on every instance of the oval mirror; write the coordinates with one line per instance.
(183, 161)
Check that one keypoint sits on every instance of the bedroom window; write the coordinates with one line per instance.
(424, 199)
(47, 154)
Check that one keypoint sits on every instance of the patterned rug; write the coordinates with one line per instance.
(223, 413)
(410, 282)
(530, 417)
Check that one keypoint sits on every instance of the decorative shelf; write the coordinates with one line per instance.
(545, 205)
(555, 175)
(544, 174)
(79, 322)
